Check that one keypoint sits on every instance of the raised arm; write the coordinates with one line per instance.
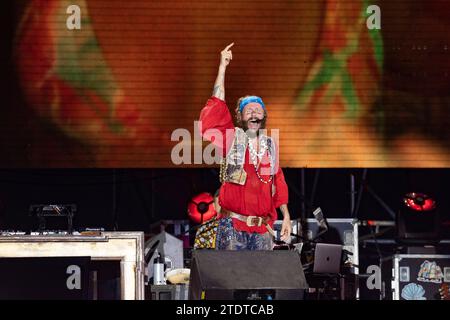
(215, 115)
(219, 85)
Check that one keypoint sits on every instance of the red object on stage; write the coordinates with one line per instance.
(418, 220)
(201, 208)
(419, 202)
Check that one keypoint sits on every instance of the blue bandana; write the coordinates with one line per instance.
(251, 99)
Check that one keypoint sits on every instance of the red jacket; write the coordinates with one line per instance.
(255, 197)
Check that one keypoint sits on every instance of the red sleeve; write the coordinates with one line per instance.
(216, 124)
(281, 190)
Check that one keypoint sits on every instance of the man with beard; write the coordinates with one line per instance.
(253, 184)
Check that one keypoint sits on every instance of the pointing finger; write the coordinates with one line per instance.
(229, 46)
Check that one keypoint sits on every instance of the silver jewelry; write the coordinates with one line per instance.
(257, 157)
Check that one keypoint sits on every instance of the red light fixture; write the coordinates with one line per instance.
(201, 208)
(419, 202)
(418, 221)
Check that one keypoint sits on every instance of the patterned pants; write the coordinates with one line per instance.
(229, 239)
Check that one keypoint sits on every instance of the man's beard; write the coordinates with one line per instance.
(252, 132)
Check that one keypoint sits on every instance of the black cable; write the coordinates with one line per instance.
(380, 257)
(360, 192)
(314, 187)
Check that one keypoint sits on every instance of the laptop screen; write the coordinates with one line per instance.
(327, 258)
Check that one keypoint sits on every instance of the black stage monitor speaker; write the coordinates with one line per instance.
(246, 275)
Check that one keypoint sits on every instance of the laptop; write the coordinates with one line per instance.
(327, 258)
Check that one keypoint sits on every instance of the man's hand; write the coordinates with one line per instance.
(226, 56)
(286, 229)
(219, 86)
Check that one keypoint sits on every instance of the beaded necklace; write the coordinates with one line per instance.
(257, 157)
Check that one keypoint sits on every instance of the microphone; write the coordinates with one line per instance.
(347, 252)
(318, 214)
(323, 227)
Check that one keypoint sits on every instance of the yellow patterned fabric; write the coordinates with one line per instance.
(205, 237)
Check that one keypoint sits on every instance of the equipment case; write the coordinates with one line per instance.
(420, 277)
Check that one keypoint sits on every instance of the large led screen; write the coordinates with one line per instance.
(107, 83)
